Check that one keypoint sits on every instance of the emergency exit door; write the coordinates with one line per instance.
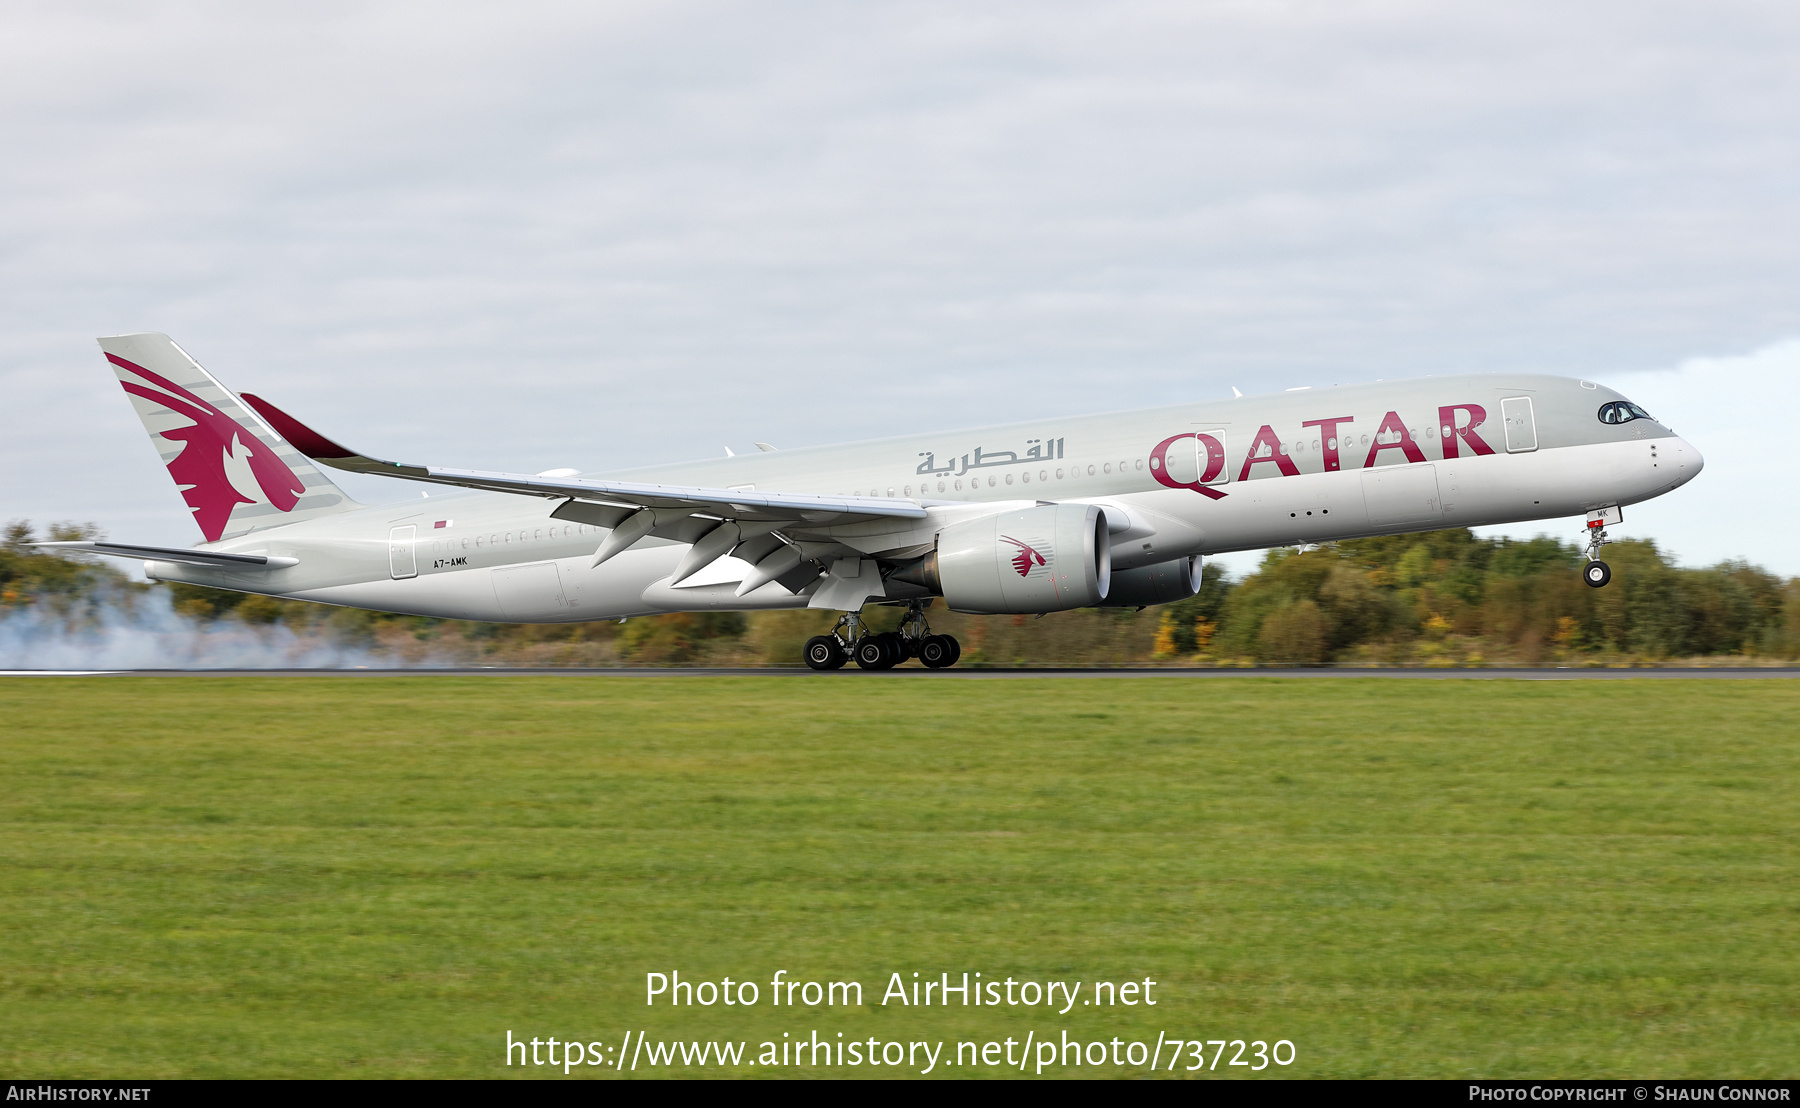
(401, 560)
(1195, 459)
(1521, 425)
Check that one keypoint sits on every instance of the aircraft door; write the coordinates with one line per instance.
(1209, 455)
(402, 561)
(1197, 459)
(1521, 424)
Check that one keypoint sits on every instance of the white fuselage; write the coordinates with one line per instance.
(1301, 467)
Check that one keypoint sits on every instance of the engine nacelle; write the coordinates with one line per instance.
(1044, 559)
(1162, 583)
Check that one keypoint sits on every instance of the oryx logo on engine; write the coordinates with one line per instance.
(1025, 558)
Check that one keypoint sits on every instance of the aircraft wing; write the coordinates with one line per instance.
(746, 504)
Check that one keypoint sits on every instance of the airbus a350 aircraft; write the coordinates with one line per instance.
(1102, 510)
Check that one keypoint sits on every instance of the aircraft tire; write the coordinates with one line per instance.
(876, 652)
(937, 651)
(1596, 574)
(955, 650)
(823, 652)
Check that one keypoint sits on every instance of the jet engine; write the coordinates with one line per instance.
(1161, 583)
(1043, 559)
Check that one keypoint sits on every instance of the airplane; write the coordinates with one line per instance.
(1111, 510)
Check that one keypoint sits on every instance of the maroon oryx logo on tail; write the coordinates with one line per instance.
(1025, 558)
(199, 470)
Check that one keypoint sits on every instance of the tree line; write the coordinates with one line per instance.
(1443, 598)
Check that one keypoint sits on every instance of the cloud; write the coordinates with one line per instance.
(1729, 407)
(552, 234)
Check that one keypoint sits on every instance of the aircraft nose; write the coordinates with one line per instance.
(1688, 461)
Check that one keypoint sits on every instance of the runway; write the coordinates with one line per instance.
(1743, 673)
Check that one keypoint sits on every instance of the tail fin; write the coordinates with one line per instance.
(235, 472)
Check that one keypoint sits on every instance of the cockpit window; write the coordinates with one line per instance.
(1621, 411)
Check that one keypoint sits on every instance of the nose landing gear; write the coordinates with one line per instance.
(850, 638)
(1597, 573)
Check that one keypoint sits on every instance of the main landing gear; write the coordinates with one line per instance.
(851, 639)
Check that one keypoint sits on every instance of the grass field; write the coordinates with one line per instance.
(207, 877)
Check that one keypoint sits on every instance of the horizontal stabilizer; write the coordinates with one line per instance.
(185, 555)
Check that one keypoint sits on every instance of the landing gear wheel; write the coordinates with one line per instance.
(955, 651)
(1597, 573)
(937, 651)
(823, 652)
(877, 652)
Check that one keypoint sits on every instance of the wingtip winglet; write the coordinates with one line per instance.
(304, 439)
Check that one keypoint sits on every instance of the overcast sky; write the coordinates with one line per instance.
(534, 235)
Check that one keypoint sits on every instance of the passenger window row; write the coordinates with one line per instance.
(1024, 478)
(1299, 446)
(535, 534)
